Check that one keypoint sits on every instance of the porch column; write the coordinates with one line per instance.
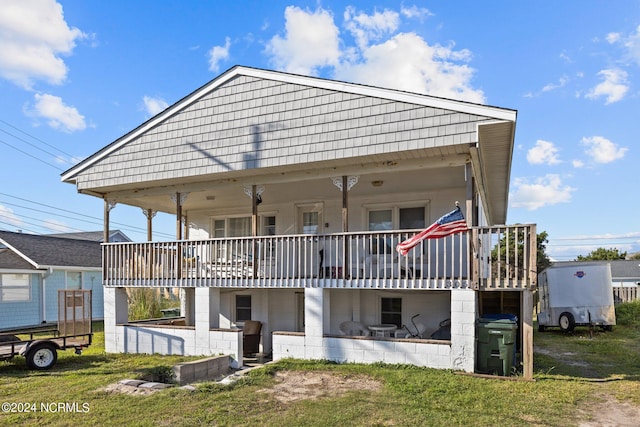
(207, 316)
(149, 213)
(471, 202)
(345, 205)
(108, 205)
(464, 306)
(316, 313)
(178, 200)
(116, 312)
(187, 305)
(526, 314)
(345, 183)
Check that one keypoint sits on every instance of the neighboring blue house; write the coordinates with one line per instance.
(32, 270)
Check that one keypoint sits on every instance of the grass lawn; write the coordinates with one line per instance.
(578, 378)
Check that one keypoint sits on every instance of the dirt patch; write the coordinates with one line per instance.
(135, 387)
(295, 385)
(604, 410)
(609, 412)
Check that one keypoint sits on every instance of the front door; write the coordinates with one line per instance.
(309, 222)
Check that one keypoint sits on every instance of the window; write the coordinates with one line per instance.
(310, 223)
(241, 226)
(401, 218)
(14, 288)
(391, 311)
(411, 218)
(243, 308)
(269, 226)
(380, 220)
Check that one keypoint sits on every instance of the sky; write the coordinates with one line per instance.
(76, 75)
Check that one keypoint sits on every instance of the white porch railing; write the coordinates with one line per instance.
(490, 258)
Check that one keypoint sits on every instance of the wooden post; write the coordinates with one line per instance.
(345, 226)
(107, 209)
(468, 214)
(178, 237)
(254, 228)
(526, 314)
(178, 217)
(345, 205)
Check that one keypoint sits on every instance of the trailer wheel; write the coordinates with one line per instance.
(42, 356)
(567, 322)
(541, 328)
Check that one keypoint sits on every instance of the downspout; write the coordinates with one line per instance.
(46, 274)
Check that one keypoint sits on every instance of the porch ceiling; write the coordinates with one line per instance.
(420, 171)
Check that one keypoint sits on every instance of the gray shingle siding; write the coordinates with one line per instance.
(252, 123)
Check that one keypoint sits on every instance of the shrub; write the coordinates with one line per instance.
(628, 313)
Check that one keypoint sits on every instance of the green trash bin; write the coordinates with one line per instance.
(496, 338)
(171, 312)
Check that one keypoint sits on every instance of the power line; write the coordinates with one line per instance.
(30, 155)
(32, 145)
(98, 220)
(34, 137)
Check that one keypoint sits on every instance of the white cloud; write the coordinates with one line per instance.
(408, 62)
(310, 42)
(58, 115)
(365, 28)
(379, 56)
(544, 191)
(218, 54)
(614, 86)
(630, 43)
(562, 81)
(601, 150)
(8, 217)
(577, 163)
(415, 12)
(154, 105)
(33, 37)
(544, 152)
(613, 37)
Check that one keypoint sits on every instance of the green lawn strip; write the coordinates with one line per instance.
(572, 371)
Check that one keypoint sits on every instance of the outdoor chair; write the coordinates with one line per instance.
(352, 328)
(251, 337)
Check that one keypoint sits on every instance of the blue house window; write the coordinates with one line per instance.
(14, 288)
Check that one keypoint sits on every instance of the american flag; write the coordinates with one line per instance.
(451, 223)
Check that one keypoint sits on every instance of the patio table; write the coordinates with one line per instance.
(382, 330)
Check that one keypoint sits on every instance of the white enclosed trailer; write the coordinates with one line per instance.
(576, 294)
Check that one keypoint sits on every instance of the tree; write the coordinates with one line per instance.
(603, 254)
(543, 260)
(506, 248)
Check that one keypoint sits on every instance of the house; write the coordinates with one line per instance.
(290, 194)
(95, 236)
(34, 267)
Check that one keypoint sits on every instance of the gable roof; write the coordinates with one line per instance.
(94, 236)
(333, 85)
(36, 252)
(625, 269)
(253, 125)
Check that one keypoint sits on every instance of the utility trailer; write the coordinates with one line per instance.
(39, 345)
(576, 294)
